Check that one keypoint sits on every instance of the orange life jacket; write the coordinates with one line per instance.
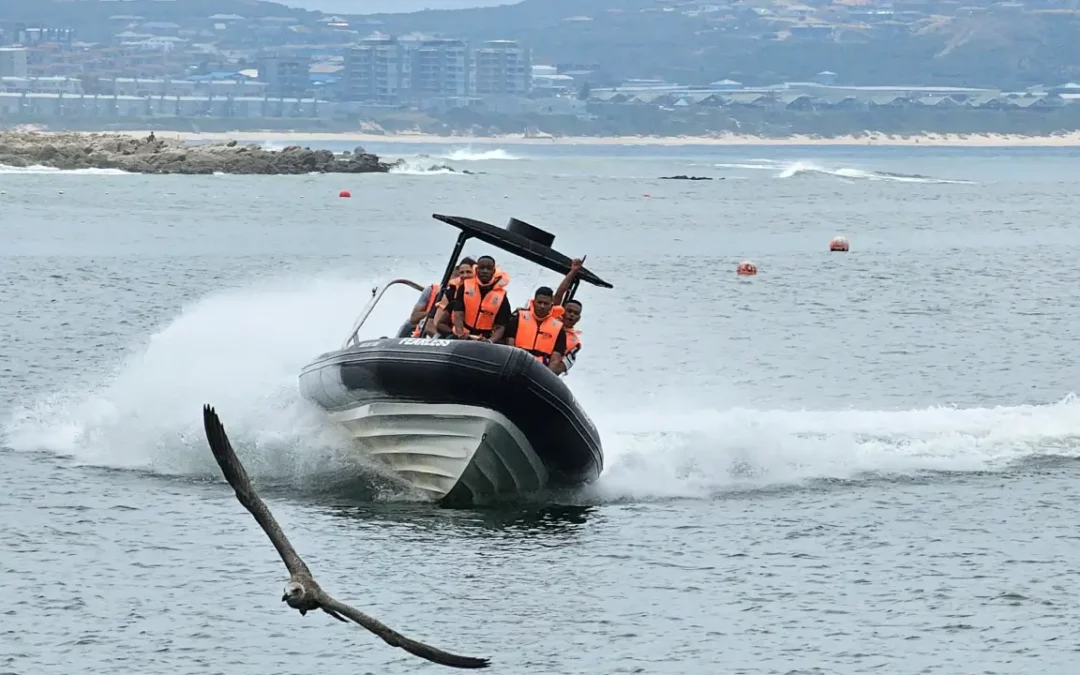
(480, 312)
(537, 338)
(573, 340)
(434, 294)
(430, 302)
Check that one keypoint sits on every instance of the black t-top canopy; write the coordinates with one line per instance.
(524, 241)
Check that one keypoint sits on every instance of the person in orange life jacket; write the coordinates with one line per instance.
(570, 313)
(443, 321)
(427, 299)
(538, 331)
(480, 310)
(564, 286)
(570, 316)
(464, 270)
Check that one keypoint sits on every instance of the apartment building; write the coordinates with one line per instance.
(285, 76)
(373, 71)
(438, 68)
(501, 67)
(409, 70)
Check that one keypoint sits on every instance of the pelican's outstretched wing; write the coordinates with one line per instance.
(333, 607)
(238, 479)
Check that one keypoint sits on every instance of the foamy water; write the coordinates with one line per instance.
(39, 169)
(442, 163)
(471, 155)
(873, 448)
(424, 166)
(242, 351)
(803, 168)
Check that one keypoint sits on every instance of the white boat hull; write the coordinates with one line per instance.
(443, 450)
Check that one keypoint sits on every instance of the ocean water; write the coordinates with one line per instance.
(850, 463)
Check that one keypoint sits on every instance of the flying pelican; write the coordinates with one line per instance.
(302, 592)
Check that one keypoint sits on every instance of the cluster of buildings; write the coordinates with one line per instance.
(270, 57)
(422, 71)
(825, 95)
(49, 73)
(225, 65)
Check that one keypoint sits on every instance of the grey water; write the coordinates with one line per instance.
(849, 463)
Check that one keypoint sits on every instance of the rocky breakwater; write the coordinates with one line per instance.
(171, 156)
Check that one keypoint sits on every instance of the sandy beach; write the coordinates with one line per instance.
(1069, 139)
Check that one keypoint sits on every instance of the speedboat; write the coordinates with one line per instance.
(462, 422)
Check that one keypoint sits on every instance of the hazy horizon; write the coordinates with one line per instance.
(390, 6)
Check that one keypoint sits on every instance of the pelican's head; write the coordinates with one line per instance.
(294, 591)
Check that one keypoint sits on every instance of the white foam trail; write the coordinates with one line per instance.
(697, 454)
(762, 164)
(242, 350)
(37, 168)
(790, 169)
(811, 168)
(416, 166)
(470, 155)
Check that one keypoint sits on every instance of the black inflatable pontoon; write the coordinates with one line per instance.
(460, 420)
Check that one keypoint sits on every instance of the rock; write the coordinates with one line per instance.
(683, 176)
(159, 156)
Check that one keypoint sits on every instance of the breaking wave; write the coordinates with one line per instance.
(470, 155)
(53, 171)
(799, 169)
(423, 166)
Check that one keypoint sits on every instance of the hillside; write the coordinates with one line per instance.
(943, 43)
(91, 17)
(946, 42)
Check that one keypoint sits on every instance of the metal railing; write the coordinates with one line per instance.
(376, 295)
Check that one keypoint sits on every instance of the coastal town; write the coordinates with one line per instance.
(310, 69)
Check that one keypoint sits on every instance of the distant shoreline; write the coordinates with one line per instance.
(875, 139)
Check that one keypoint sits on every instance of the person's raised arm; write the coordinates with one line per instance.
(564, 285)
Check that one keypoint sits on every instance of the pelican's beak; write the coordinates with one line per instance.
(285, 597)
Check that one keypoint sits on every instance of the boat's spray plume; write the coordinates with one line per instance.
(242, 350)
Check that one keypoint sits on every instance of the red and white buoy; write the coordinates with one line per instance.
(746, 269)
(839, 244)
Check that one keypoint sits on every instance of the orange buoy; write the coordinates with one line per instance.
(344, 193)
(838, 244)
(746, 269)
